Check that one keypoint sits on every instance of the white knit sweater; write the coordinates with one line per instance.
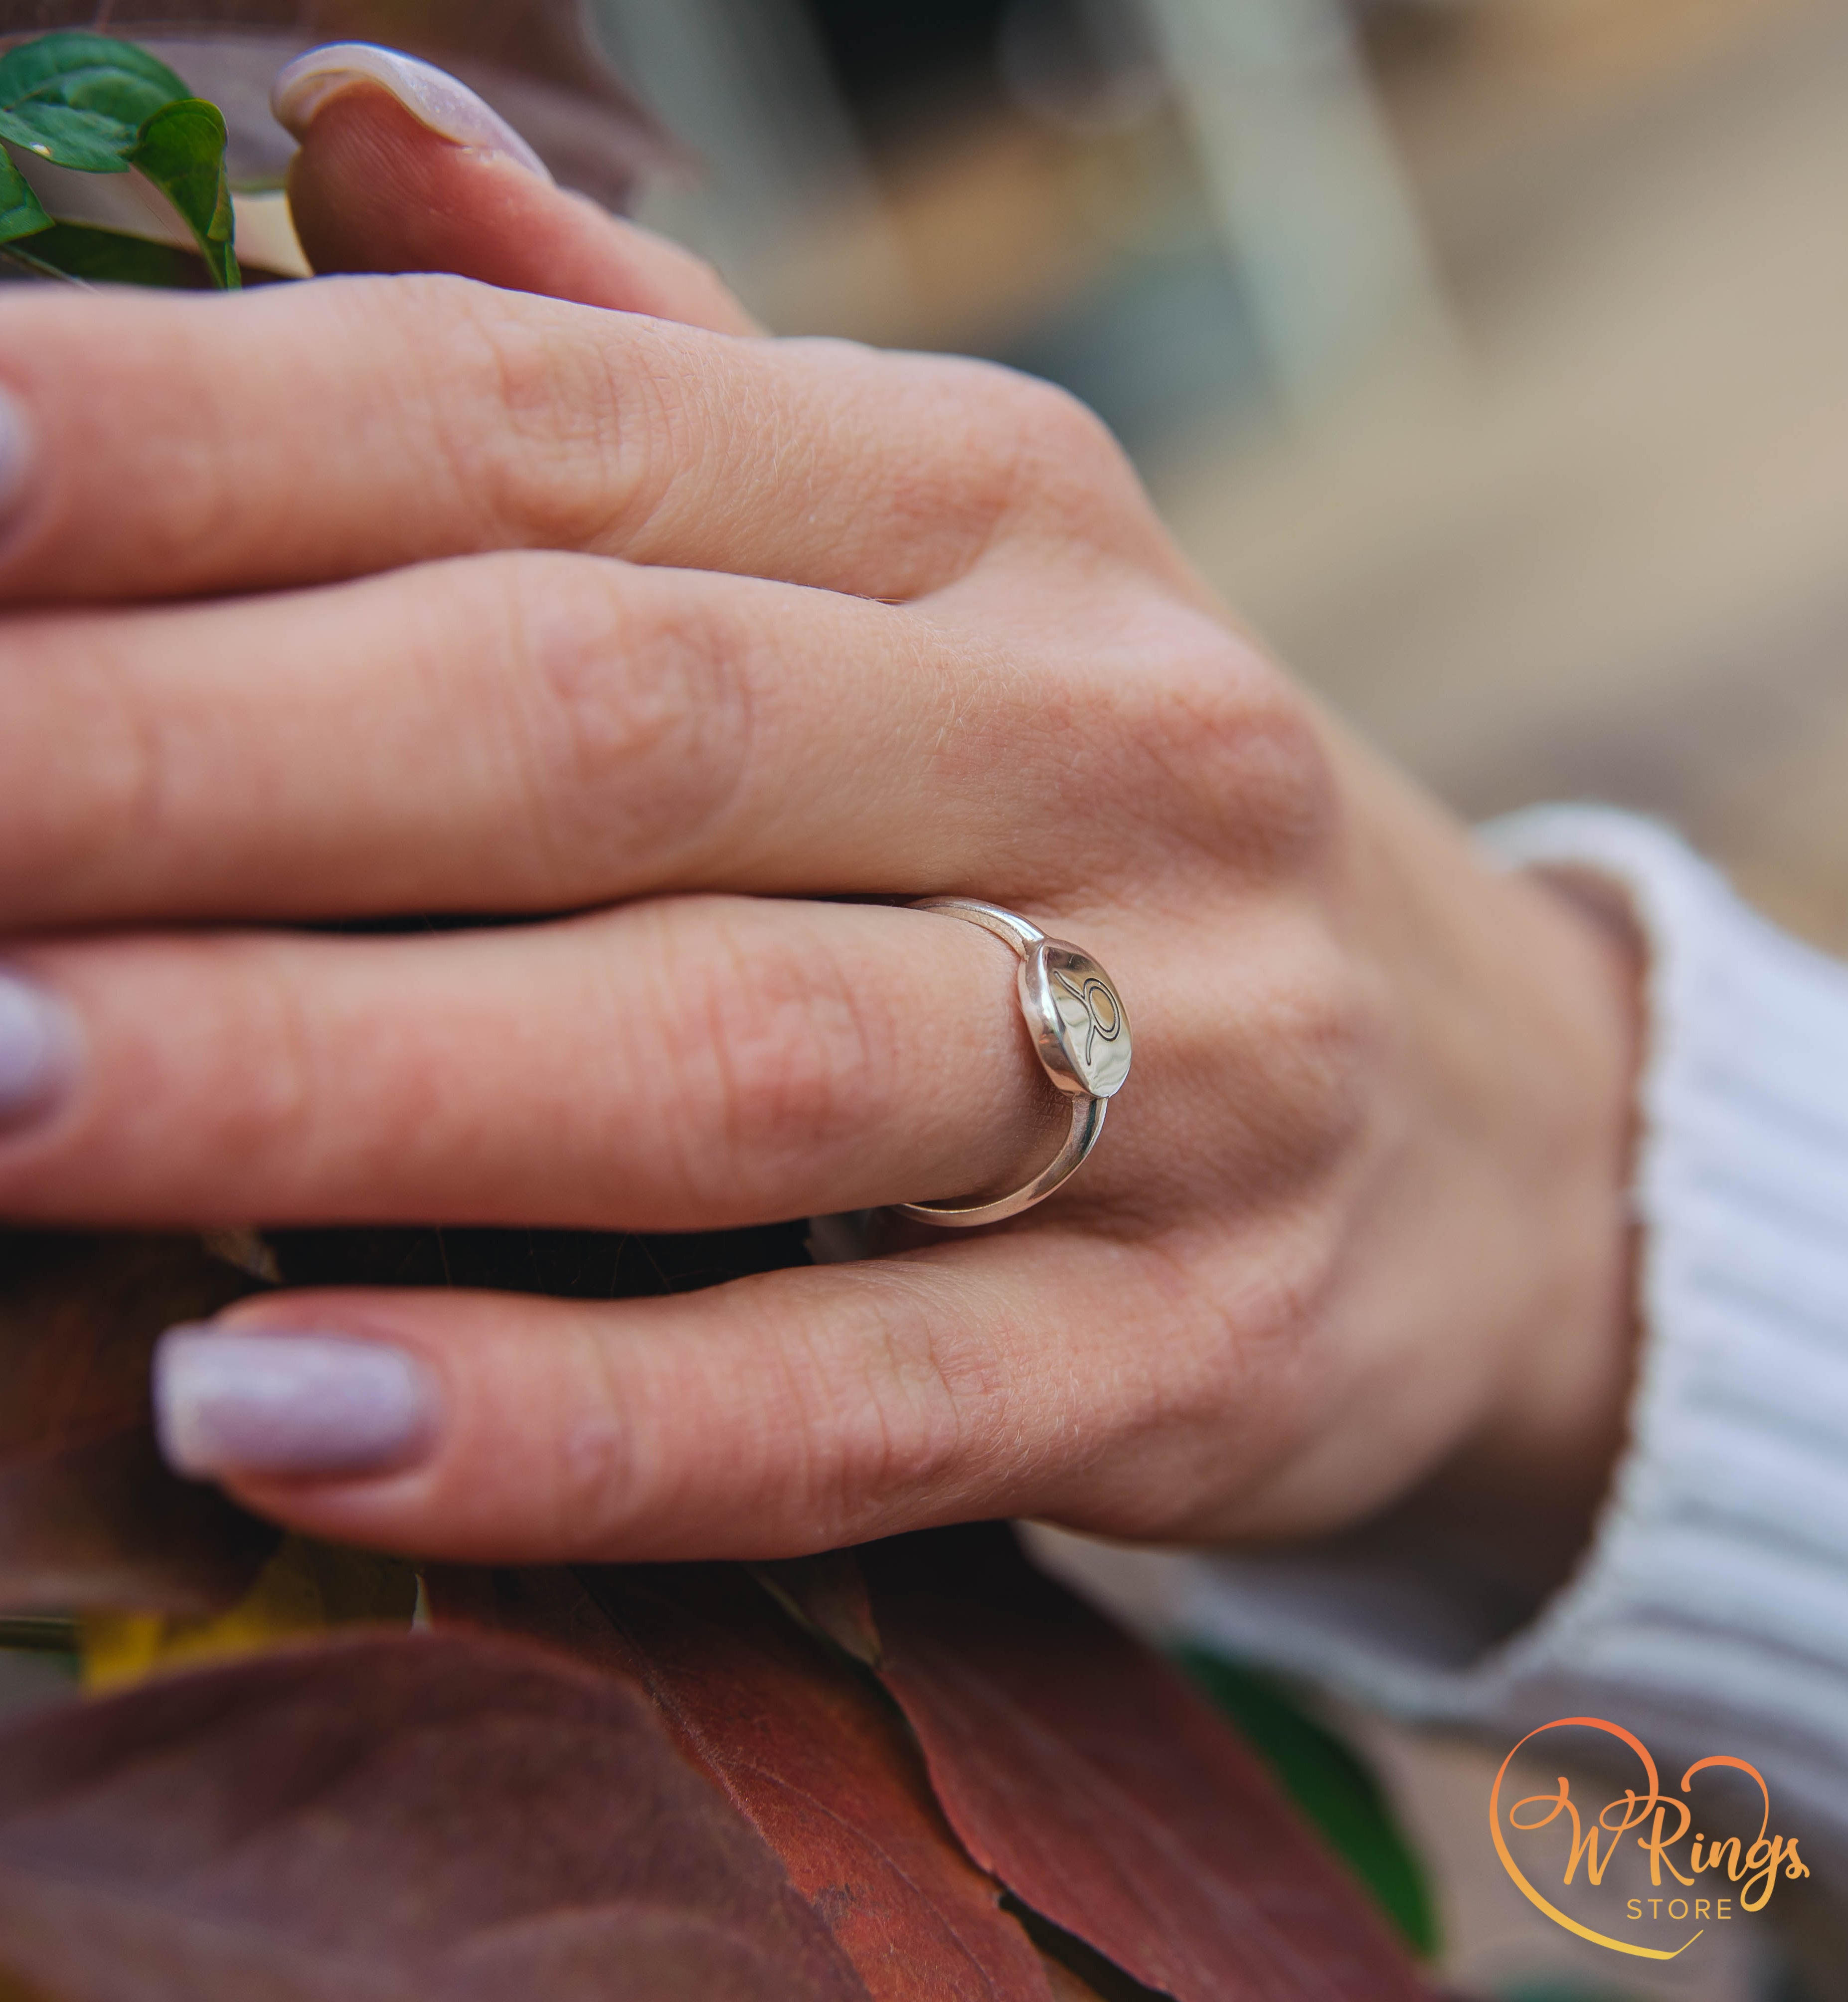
(1711, 1613)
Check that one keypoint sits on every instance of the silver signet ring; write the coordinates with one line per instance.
(1080, 1030)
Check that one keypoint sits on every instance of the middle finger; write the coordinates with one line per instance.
(521, 732)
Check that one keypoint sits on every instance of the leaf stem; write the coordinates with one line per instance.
(35, 1635)
(11, 253)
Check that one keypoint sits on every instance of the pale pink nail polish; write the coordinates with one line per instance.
(231, 1402)
(16, 455)
(38, 1052)
(431, 95)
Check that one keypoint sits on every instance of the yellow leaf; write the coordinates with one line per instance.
(306, 1588)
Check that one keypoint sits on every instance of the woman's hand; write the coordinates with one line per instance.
(675, 637)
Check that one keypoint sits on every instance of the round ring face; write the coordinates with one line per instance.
(1079, 1022)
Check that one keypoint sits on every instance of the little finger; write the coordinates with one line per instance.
(794, 1412)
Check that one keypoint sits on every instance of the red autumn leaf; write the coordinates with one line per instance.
(1085, 1774)
(804, 1746)
(90, 1516)
(388, 1820)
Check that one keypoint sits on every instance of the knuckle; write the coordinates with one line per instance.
(55, 841)
(1055, 458)
(1057, 426)
(1265, 771)
(1228, 743)
(253, 1071)
(1315, 1029)
(144, 787)
(599, 1487)
(630, 704)
(850, 1418)
(999, 448)
(204, 494)
(433, 340)
(1333, 1008)
(885, 1422)
(561, 428)
(1256, 1309)
(285, 1116)
(766, 1031)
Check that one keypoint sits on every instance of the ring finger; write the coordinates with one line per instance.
(679, 1064)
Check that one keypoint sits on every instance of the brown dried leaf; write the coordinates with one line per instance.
(14, 1990)
(388, 1821)
(90, 1516)
(805, 1746)
(829, 1594)
(1079, 1769)
(1066, 1986)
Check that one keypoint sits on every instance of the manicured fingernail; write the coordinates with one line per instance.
(290, 1407)
(16, 454)
(38, 1049)
(431, 95)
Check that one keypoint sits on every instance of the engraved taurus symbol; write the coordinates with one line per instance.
(1095, 998)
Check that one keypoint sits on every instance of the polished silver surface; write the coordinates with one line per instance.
(1077, 1019)
(1080, 1030)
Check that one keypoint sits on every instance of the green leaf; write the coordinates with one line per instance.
(102, 106)
(182, 151)
(89, 73)
(107, 258)
(22, 214)
(85, 139)
(1328, 1784)
(81, 100)
(16, 257)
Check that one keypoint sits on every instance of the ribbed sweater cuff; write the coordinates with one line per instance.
(1711, 1611)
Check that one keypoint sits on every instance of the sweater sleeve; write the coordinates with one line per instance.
(1710, 1611)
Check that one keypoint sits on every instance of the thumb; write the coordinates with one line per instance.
(403, 168)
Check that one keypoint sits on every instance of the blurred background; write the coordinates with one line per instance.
(1490, 355)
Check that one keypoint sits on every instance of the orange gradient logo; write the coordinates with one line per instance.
(1704, 1882)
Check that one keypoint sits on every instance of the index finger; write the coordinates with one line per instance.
(169, 445)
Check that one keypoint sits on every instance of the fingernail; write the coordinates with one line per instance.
(431, 95)
(38, 1043)
(15, 451)
(290, 1407)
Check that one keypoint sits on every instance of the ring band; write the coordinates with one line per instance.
(1080, 1034)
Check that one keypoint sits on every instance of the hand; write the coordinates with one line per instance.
(673, 636)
